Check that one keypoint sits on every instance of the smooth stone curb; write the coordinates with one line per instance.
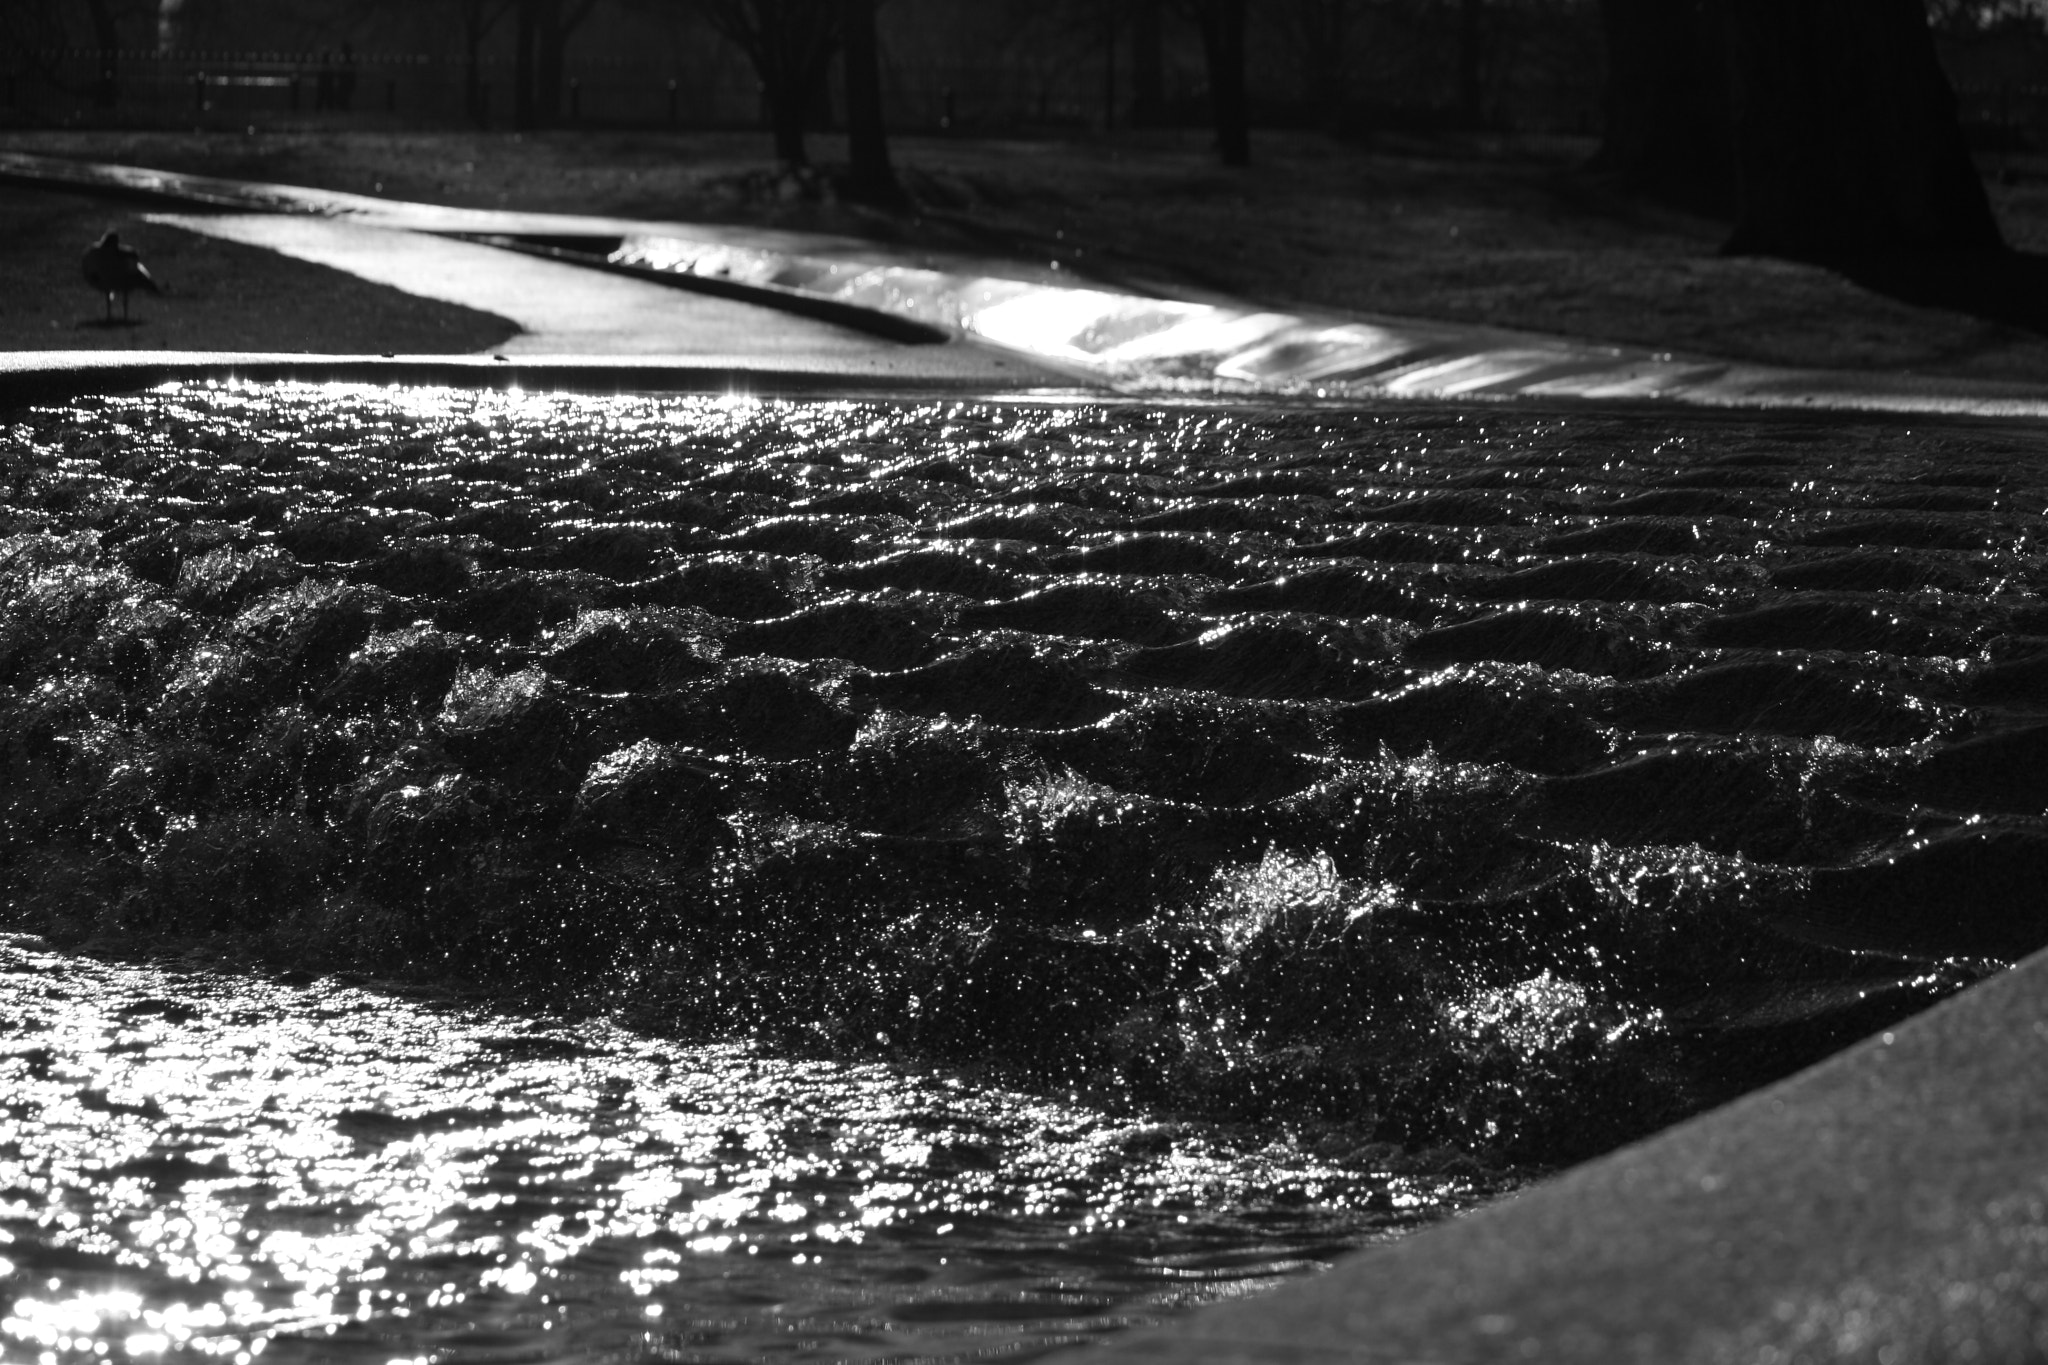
(531, 233)
(1132, 343)
(888, 326)
(29, 377)
(1888, 1205)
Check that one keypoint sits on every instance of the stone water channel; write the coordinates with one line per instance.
(517, 876)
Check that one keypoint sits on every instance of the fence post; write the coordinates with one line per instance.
(671, 101)
(199, 92)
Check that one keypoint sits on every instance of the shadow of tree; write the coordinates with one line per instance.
(2008, 287)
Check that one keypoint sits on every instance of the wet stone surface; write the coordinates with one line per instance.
(1490, 783)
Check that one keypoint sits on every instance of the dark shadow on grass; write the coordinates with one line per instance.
(2008, 287)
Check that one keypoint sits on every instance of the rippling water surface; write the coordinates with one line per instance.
(974, 836)
(197, 1164)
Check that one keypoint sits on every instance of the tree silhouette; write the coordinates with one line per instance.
(1148, 63)
(790, 43)
(1472, 63)
(1669, 127)
(1320, 33)
(1841, 140)
(1846, 140)
(36, 36)
(106, 37)
(540, 46)
(870, 176)
(1222, 26)
(1826, 125)
(478, 18)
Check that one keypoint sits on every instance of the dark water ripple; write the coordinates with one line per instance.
(1497, 780)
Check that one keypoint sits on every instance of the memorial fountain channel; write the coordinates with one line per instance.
(535, 876)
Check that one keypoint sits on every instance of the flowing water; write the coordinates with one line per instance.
(548, 877)
(203, 1165)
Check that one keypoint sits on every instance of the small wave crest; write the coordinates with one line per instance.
(1217, 760)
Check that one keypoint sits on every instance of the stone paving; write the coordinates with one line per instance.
(559, 308)
(1128, 342)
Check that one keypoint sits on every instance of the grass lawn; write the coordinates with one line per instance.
(221, 296)
(1503, 232)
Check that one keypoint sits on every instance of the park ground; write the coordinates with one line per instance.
(1496, 231)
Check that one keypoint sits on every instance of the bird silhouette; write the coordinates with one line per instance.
(114, 269)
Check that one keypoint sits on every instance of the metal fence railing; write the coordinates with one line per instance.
(712, 87)
(267, 89)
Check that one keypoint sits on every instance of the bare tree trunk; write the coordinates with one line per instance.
(1223, 42)
(817, 94)
(472, 77)
(1148, 64)
(526, 21)
(540, 58)
(547, 63)
(786, 120)
(1472, 63)
(1109, 25)
(1320, 32)
(790, 43)
(1846, 137)
(479, 17)
(1669, 130)
(106, 86)
(870, 176)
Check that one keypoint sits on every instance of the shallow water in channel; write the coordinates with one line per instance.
(1019, 867)
(201, 1164)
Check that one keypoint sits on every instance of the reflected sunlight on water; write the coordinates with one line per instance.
(205, 1165)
